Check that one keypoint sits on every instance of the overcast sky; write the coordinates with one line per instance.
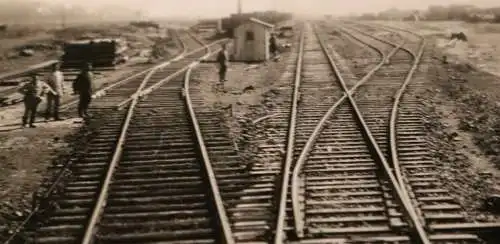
(204, 8)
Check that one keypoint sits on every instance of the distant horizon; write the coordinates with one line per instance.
(94, 13)
(191, 9)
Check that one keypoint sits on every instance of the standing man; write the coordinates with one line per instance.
(223, 60)
(55, 81)
(273, 45)
(83, 85)
(33, 92)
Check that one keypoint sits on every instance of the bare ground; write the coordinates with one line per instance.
(252, 92)
(464, 168)
(27, 155)
(482, 48)
(47, 42)
(462, 107)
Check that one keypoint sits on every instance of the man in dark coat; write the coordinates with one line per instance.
(33, 92)
(273, 45)
(83, 85)
(222, 59)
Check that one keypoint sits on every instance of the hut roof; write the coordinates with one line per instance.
(261, 22)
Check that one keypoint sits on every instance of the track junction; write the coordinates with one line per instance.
(349, 163)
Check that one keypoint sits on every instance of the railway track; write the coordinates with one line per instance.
(73, 208)
(334, 170)
(357, 57)
(248, 189)
(346, 183)
(119, 93)
(9, 96)
(356, 167)
(408, 151)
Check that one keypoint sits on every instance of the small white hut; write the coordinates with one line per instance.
(251, 40)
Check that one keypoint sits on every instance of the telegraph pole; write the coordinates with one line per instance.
(63, 22)
(66, 7)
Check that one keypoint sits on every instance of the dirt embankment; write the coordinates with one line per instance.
(31, 159)
(482, 48)
(463, 123)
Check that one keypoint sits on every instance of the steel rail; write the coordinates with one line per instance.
(155, 68)
(392, 29)
(467, 227)
(161, 82)
(99, 206)
(102, 91)
(393, 151)
(392, 133)
(394, 112)
(278, 237)
(409, 211)
(401, 193)
(60, 174)
(219, 204)
(474, 66)
(29, 69)
(148, 90)
(291, 134)
(299, 224)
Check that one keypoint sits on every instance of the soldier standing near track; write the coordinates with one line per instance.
(55, 81)
(33, 93)
(222, 59)
(83, 85)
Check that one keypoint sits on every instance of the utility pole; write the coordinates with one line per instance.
(63, 22)
(239, 7)
(66, 7)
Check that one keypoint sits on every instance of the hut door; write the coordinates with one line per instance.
(249, 45)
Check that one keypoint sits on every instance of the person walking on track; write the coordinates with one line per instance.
(83, 85)
(55, 81)
(223, 60)
(33, 92)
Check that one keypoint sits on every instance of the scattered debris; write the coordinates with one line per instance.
(492, 203)
(27, 52)
(458, 36)
(264, 118)
(248, 89)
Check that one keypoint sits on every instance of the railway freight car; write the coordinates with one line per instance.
(98, 52)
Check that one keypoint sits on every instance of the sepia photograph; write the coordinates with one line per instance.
(249, 121)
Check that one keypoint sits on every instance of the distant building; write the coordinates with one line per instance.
(208, 25)
(489, 17)
(251, 40)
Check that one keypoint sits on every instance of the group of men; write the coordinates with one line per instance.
(53, 90)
